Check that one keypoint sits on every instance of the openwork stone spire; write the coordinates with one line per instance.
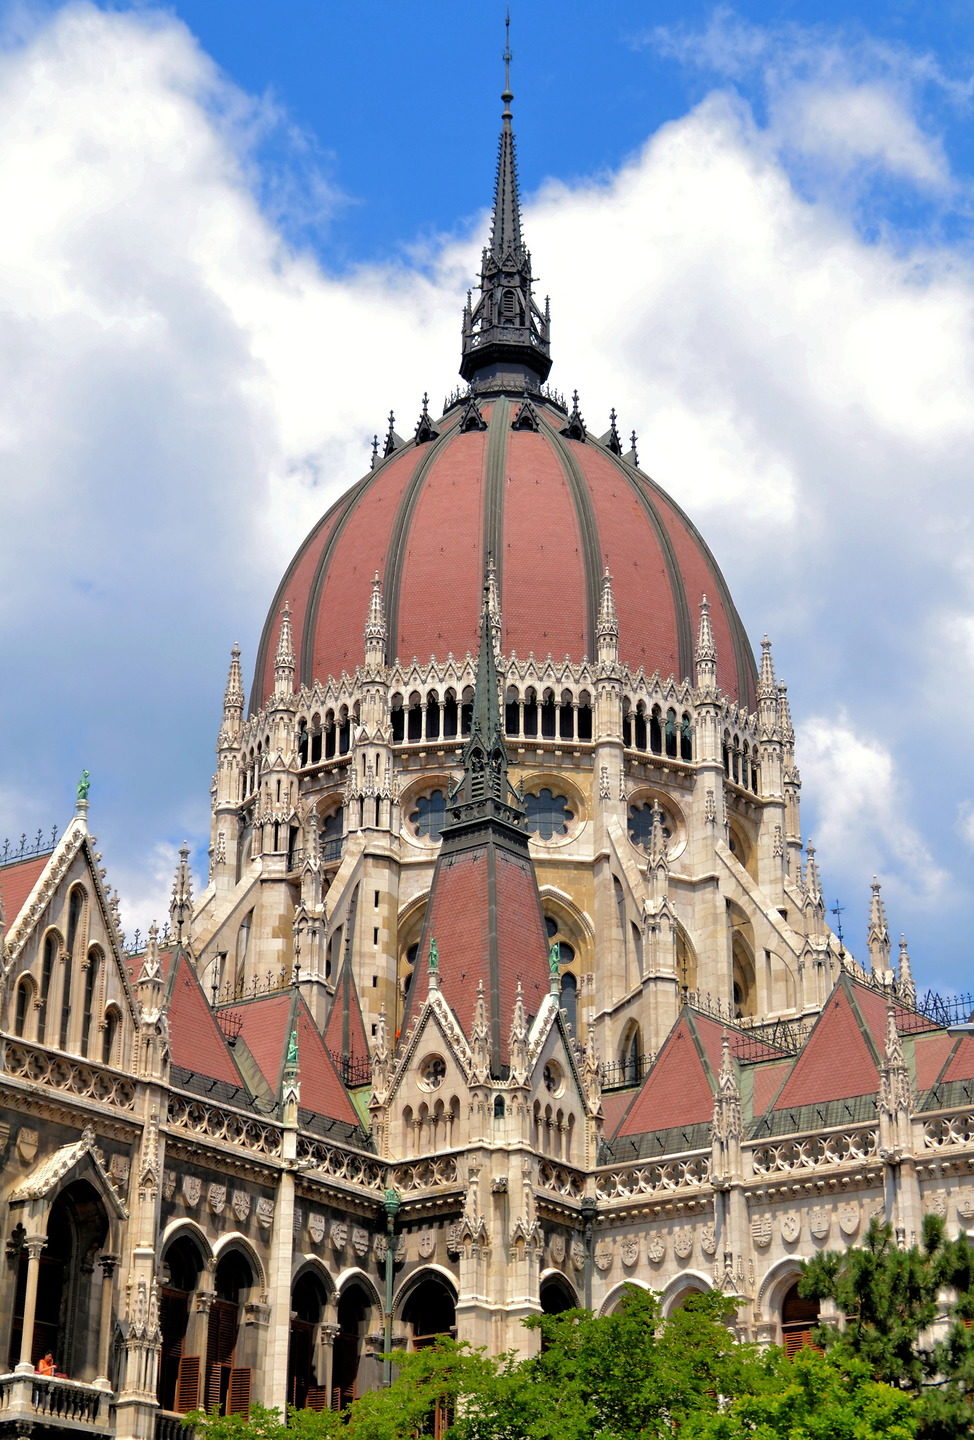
(485, 781)
(878, 934)
(505, 335)
(375, 626)
(284, 659)
(904, 979)
(181, 905)
(706, 656)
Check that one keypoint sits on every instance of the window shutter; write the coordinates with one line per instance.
(214, 1384)
(238, 1393)
(187, 1384)
(317, 1397)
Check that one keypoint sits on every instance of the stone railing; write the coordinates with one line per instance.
(689, 1172)
(29, 1399)
(946, 1130)
(424, 1174)
(812, 1152)
(171, 1427)
(341, 1164)
(561, 1180)
(91, 1082)
(213, 1123)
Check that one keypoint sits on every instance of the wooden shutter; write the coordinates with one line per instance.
(238, 1391)
(317, 1397)
(214, 1386)
(187, 1384)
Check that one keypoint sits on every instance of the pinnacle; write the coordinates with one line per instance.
(706, 649)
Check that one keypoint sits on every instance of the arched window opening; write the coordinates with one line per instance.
(798, 1320)
(354, 1311)
(69, 1290)
(556, 1296)
(637, 944)
(25, 994)
(508, 307)
(110, 1036)
(304, 1390)
(466, 710)
(725, 753)
(566, 717)
(76, 905)
(344, 732)
(180, 1363)
(228, 1382)
(584, 716)
(450, 716)
(414, 721)
(243, 945)
(429, 816)
(547, 814)
(67, 971)
(304, 742)
(631, 1058)
(332, 836)
(745, 999)
(555, 931)
(512, 712)
(568, 998)
(686, 737)
(430, 1312)
(499, 1110)
(736, 760)
(656, 731)
(398, 720)
(530, 714)
(52, 946)
(432, 716)
(639, 730)
(627, 724)
(330, 737)
(671, 733)
(548, 716)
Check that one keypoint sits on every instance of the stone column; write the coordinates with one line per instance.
(108, 1265)
(34, 1244)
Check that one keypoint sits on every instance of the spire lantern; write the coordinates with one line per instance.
(505, 334)
(284, 659)
(877, 937)
(706, 656)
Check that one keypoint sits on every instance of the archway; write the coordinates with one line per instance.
(228, 1381)
(557, 1294)
(430, 1311)
(179, 1363)
(798, 1319)
(308, 1299)
(354, 1312)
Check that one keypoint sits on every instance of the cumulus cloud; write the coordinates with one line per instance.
(183, 389)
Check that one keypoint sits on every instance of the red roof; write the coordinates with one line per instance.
(266, 1029)
(16, 883)
(678, 1090)
(837, 1061)
(196, 1040)
(345, 1027)
(552, 511)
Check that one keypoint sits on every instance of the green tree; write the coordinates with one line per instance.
(908, 1314)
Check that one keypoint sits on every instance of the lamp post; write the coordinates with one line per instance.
(393, 1205)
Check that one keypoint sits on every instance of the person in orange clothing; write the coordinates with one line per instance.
(45, 1366)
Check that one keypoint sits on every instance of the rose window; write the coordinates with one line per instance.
(547, 814)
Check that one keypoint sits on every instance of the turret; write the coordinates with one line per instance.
(877, 936)
(181, 904)
(905, 987)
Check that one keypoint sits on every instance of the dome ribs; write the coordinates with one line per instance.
(496, 469)
(589, 531)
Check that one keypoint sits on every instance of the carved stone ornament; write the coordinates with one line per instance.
(603, 1254)
(192, 1188)
(708, 1239)
(27, 1144)
(556, 1247)
(576, 1253)
(316, 1227)
(630, 1250)
(849, 1217)
(265, 1212)
(338, 1235)
(427, 1243)
(965, 1202)
(380, 1247)
(656, 1250)
(820, 1221)
(683, 1241)
(400, 1253)
(119, 1168)
(360, 1241)
(240, 1205)
(168, 1184)
(791, 1226)
(216, 1198)
(935, 1203)
(761, 1228)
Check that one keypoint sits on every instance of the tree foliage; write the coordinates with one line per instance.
(908, 1314)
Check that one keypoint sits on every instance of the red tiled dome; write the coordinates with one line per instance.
(553, 512)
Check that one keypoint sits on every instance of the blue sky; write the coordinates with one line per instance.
(234, 236)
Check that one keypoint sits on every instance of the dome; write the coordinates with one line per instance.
(506, 473)
(554, 510)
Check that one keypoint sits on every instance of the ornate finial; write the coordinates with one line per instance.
(233, 696)
(485, 755)
(480, 1036)
(767, 685)
(519, 1039)
(505, 335)
(507, 94)
(424, 425)
(785, 726)
(706, 656)
(84, 785)
(608, 626)
(657, 837)
(633, 456)
(812, 881)
(375, 452)
(611, 439)
(284, 659)
(904, 979)
(575, 429)
(493, 603)
(877, 937)
(181, 905)
(392, 439)
(291, 1059)
(375, 625)
(151, 970)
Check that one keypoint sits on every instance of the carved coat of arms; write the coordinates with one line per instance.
(192, 1188)
(761, 1228)
(603, 1254)
(427, 1243)
(630, 1250)
(360, 1240)
(708, 1239)
(656, 1250)
(849, 1217)
(683, 1241)
(265, 1212)
(240, 1205)
(791, 1226)
(820, 1221)
(216, 1198)
(556, 1245)
(577, 1254)
(316, 1227)
(338, 1234)
(168, 1184)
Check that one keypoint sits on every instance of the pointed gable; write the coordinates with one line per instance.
(931, 1053)
(345, 1027)
(679, 1088)
(266, 1025)
(197, 1043)
(321, 1088)
(960, 1066)
(839, 1059)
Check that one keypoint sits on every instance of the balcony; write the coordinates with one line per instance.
(170, 1426)
(46, 1404)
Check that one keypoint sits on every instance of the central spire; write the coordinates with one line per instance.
(505, 335)
(485, 787)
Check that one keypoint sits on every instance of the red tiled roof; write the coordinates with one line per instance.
(961, 1063)
(197, 1042)
(321, 1088)
(265, 1027)
(930, 1052)
(553, 512)
(836, 1061)
(266, 1030)
(16, 883)
(677, 1090)
(767, 1082)
(345, 1027)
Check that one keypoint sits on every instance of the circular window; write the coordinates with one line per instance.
(547, 814)
(553, 1079)
(432, 1072)
(429, 816)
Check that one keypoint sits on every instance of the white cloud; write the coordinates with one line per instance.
(846, 125)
